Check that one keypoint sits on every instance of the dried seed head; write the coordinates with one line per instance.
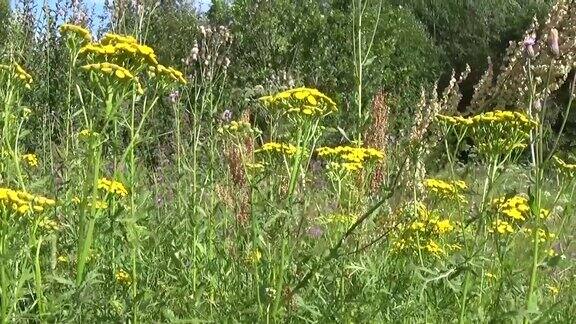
(553, 42)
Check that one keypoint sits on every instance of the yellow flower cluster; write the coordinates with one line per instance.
(492, 117)
(99, 204)
(542, 234)
(167, 72)
(304, 101)
(495, 132)
(568, 169)
(254, 256)
(447, 189)
(501, 227)
(22, 202)
(114, 70)
(282, 148)
(116, 55)
(79, 31)
(426, 228)
(86, 134)
(48, 224)
(30, 159)
(112, 46)
(122, 277)
(349, 158)
(235, 127)
(113, 187)
(19, 73)
(515, 207)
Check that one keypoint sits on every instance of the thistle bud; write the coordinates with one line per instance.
(529, 42)
(553, 42)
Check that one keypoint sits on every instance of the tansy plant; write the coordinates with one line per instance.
(122, 78)
(304, 109)
(22, 212)
(347, 169)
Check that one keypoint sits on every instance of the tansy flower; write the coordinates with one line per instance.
(433, 248)
(30, 159)
(501, 227)
(23, 202)
(302, 101)
(349, 158)
(446, 189)
(282, 148)
(113, 187)
(515, 207)
(79, 31)
(254, 256)
(122, 277)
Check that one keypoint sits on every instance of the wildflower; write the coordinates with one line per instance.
(113, 187)
(99, 204)
(19, 73)
(433, 248)
(167, 72)
(529, 42)
(62, 258)
(30, 159)
(270, 292)
(444, 226)
(86, 134)
(490, 275)
(501, 227)
(122, 277)
(349, 158)
(305, 101)
(174, 96)
(515, 207)
(75, 200)
(445, 189)
(565, 168)
(282, 148)
(115, 71)
(49, 225)
(23, 202)
(340, 218)
(254, 256)
(226, 116)
(553, 290)
(79, 31)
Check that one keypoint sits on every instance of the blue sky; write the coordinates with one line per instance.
(97, 5)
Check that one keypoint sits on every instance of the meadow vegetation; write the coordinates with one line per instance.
(282, 161)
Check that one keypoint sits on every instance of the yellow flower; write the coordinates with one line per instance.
(444, 226)
(254, 256)
(168, 72)
(349, 158)
(553, 290)
(307, 101)
(113, 187)
(448, 190)
(122, 277)
(76, 30)
(501, 227)
(433, 248)
(282, 148)
(30, 159)
(23, 202)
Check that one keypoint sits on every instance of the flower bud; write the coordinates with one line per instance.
(553, 42)
(529, 42)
